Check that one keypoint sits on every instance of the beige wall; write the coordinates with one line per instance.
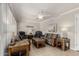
(65, 22)
(68, 21)
(23, 26)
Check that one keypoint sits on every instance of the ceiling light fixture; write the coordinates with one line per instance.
(64, 29)
(40, 16)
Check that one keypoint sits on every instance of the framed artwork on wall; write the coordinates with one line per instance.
(53, 29)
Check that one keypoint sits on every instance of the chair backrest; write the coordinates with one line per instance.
(22, 33)
(38, 34)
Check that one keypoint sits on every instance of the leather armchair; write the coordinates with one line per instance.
(22, 35)
(51, 39)
(38, 34)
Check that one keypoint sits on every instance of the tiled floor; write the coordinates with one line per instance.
(51, 51)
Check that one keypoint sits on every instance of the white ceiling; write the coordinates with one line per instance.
(31, 11)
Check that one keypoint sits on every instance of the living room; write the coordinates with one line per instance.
(51, 29)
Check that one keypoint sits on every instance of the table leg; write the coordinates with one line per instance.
(27, 51)
(9, 52)
(37, 45)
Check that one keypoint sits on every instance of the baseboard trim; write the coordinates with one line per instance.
(74, 49)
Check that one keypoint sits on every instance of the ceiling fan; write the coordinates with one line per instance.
(43, 15)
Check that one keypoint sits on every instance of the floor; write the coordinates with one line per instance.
(51, 51)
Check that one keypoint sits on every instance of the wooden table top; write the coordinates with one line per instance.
(20, 43)
(38, 39)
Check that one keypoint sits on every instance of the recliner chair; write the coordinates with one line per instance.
(51, 39)
(38, 34)
(22, 35)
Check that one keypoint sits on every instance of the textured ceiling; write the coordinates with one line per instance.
(31, 11)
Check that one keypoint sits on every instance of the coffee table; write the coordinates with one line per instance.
(19, 47)
(38, 42)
